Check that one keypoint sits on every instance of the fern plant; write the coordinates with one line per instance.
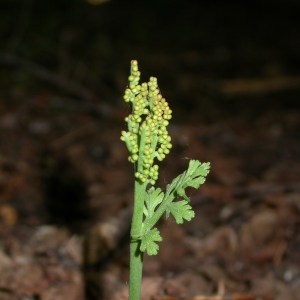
(148, 141)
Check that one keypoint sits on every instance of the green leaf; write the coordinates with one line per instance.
(193, 177)
(181, 193)
(153, 198)
(148, 241)
(180, 210)
(195, 174)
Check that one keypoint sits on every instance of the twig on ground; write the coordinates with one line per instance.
(91, 105)
(42, 73)
(67, 139)
(238, 87)
(265, 189)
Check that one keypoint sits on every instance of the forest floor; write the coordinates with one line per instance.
(66, 186)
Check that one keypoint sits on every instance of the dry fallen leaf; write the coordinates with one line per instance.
(8, 215)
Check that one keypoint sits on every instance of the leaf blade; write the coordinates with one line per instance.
(180, 210)
(148, 241)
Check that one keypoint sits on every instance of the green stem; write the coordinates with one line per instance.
(139, 163)
(136, 265)
(136, 256)
(138, 207)
(150, 222)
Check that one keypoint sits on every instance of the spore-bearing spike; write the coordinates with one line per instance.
(150, 110)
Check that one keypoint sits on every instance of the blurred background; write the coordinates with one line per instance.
(230, 71)
(89, 44)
